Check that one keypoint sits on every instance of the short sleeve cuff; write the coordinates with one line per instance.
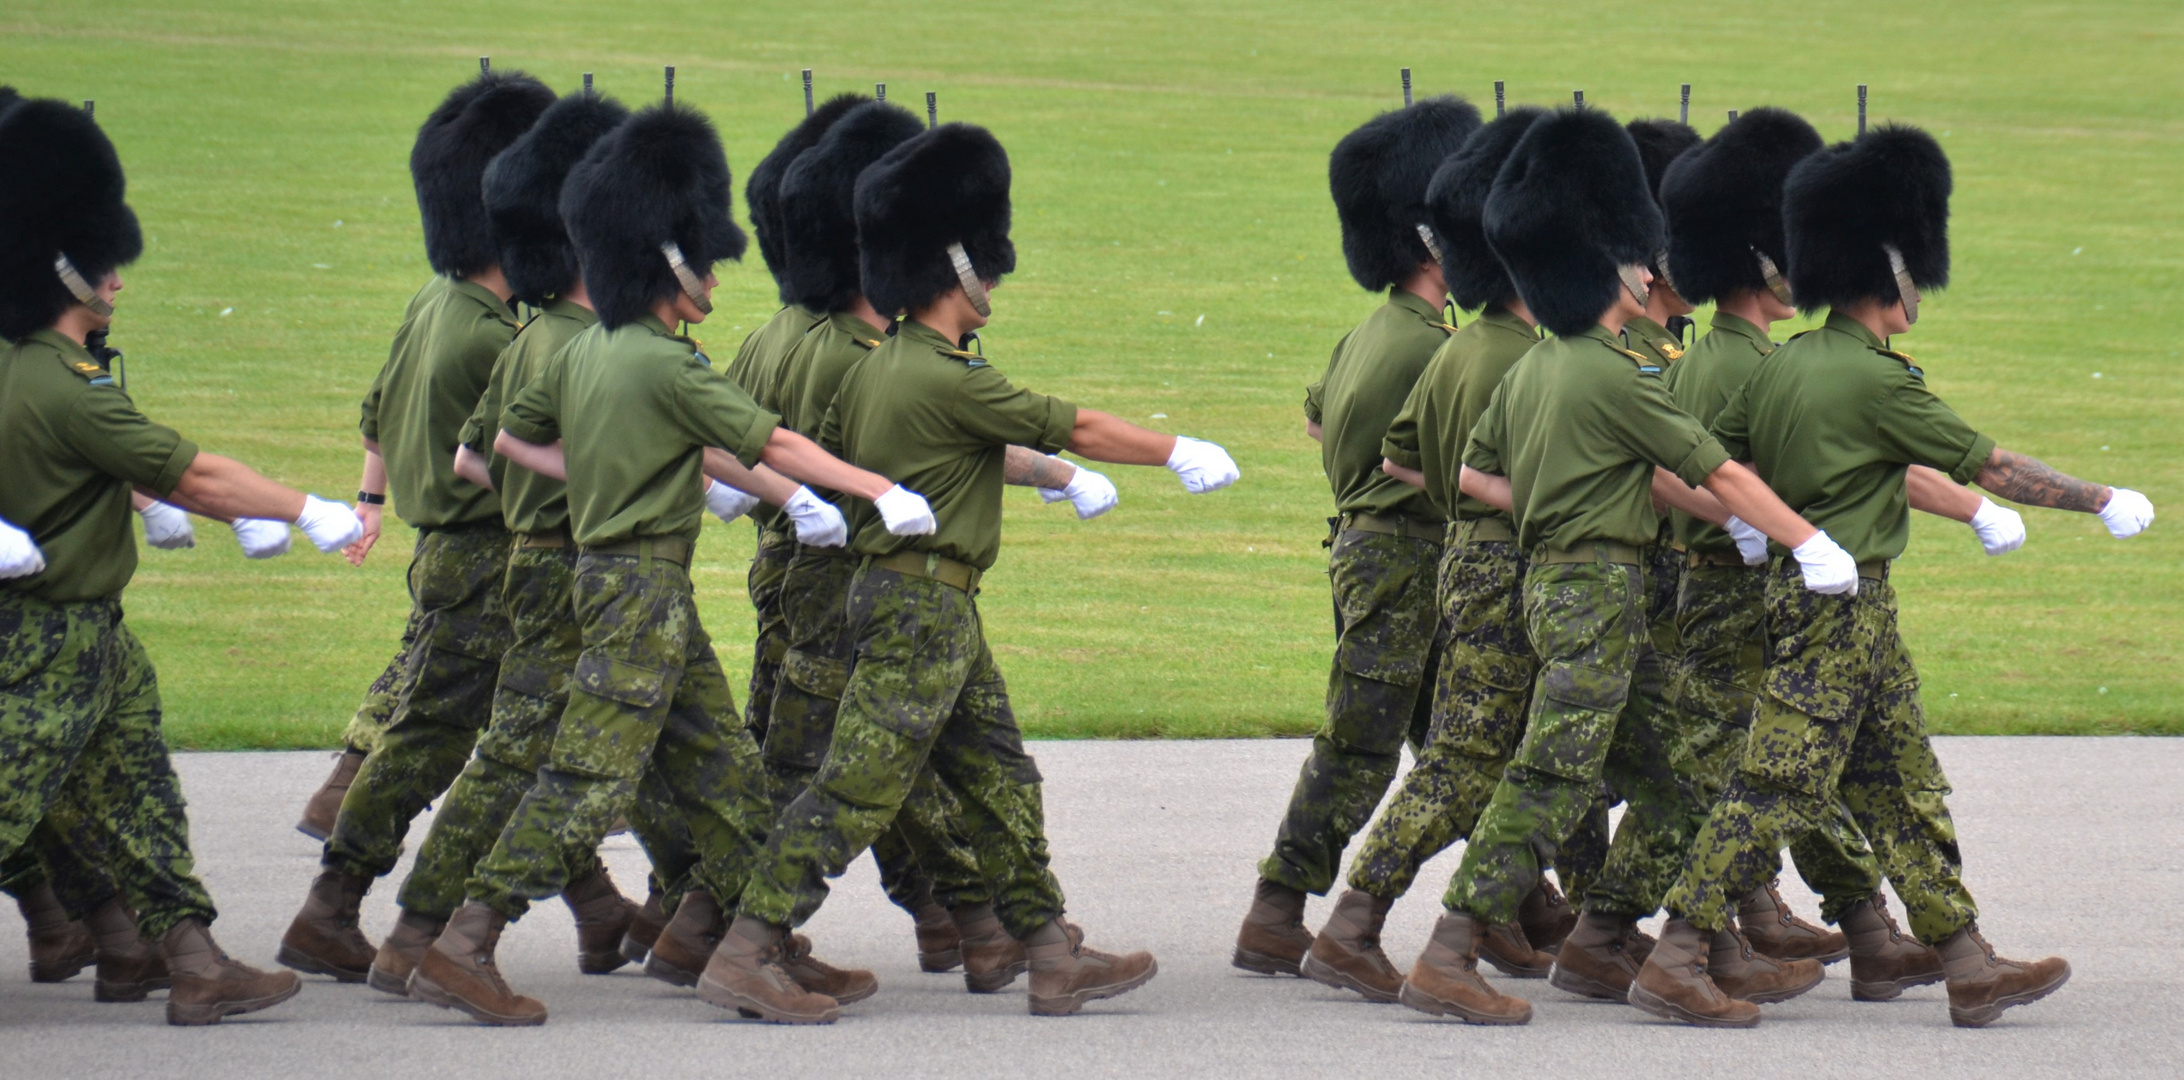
(1403, 456)
(178, 463)
(754, 439)
(369, 426)
(529, 432)
(1975, 459)
(473, 436)
(1061, 423)
(1701, 462)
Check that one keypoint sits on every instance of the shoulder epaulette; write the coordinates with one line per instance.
(869, 343)
(970, 359)
(1637, 358)
(90, 372)
(1908, 364)
(1799, 334)
(1669, 349)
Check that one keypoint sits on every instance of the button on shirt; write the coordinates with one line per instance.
(1367, 380)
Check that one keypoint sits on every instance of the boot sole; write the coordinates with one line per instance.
(669, 973)
(993, 982)
(313, 831)
(601, 963)
(1433, 1006)
(1265, 963)
(1562, 978)
(387, 982)
(1514, 970)
(121, 993)
(181, 1015)
(1891, 989)
(1667, 1010)
(713, 993)
(938, 963)
(424, 989)
(1327, 974)
(1988, 1013)
(312, 965)
(63, 970)
(635, 951)
(1837, 956)
(1776, 997)
(1070, 1003)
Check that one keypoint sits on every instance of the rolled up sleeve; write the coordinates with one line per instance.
(106, 428)
(716, 412)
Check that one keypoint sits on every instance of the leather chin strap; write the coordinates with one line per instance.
(1638, 289)
(973, 289)
(1906, 289)
(687, 278)
(80, 288)
(1773, 276)
(1433, 243)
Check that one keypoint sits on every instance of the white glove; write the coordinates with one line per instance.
(1091, 493)
(817, 522)
(906, 512)
(1828, 568)
(726, 502)
(2127, 514)
(167, 527)
(329, 525)
(1201, 465)
(2001, 530)
(1751, 543)
(19, 554)
(261, 538)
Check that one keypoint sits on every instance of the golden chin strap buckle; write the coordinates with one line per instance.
(1433, 243)
(686, 277)
(1907, 289)
(973, 289)
(1773, 276)
(80, 288)
(1638, 289)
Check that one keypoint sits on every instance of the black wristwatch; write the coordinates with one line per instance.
(371, 499)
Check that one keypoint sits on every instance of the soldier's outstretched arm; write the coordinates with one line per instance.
(2027, 480)
(905, 512)
(1090, 493)
(373, 482)
(2000, 529)
(19, 554)
(226, 488)
(735, 490)
(1201, 465)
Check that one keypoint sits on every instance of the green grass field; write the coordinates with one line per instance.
(1179, 266)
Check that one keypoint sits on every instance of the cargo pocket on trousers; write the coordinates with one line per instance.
(799, 732)
(1582, 687)
(32, 634)
(612, 733)
(818, 676)
(532, 677)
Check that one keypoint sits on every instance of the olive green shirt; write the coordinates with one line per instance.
(1367, 380)
(1435, 425)
(1833, 420)
(812, 372)
(1702, 385)
(635, 408)
(757, 368)
(937, 420)
(438, 368)
(530, 503)
(72, 445)
(1652, 340)
(1577, 426)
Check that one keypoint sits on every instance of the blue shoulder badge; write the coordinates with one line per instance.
(1639, 359)
(970, 359)
(1904, 359)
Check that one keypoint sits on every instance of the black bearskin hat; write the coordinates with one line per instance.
(818, 215)
(1456, 199)
(762, 189)
(1569, 207)
(447, 164)
(1378, 175)
(1889, 186)
(523, 193)
(948, 185)
(1660, 143)
(61, 191)
(1725, 199)
(661, 176)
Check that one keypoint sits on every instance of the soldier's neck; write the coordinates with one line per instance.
(1745, 304)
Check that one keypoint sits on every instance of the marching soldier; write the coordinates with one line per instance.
(1386, 539)
(1832, 420)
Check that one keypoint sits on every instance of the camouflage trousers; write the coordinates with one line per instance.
(377, 708)
(442, 699)
(650, 722)
(66, 852)
(769, 569)
(923, 857)
(80, 730)
(1838, 716)
(1387, 642)
(922, 692)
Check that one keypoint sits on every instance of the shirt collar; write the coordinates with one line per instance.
(570, 309)
(482, 295)
(1497, 315)
(925, 335)
(848, 322)
(652, 324)
(1741, 327)
(1600, 333)
(1645, 328)
(1412, 302)
(1844, 324)
(61, 341)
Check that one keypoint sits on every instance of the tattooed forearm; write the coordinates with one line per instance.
(1022, 466)
(2026, 480)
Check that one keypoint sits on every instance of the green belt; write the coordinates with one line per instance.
(817, 552)
(1395, 526)
(925, 564)
(1480, 531)
(1714, 558)
(1593, 551)
(543, 540)
(1874, 569)
(773, 538)
(672, 549)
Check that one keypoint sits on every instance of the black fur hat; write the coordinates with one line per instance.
(447, 165)
(661, 176)
(523, 193)
(1725, 199)
(1569, 207)
(948, 185)
(762, 189)
(1660, 143)
(61, 190)
(1890, 186)
(818, 214)
(1456, 199)
(1378, 176)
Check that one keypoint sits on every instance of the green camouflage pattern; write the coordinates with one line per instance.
(1388, 638)
(64, 851)
(370, 721)
(769, 568)
(922, 690)
(650, 728)
(442, 700)
(1582, 857)
(1838, 716)
(80, 728)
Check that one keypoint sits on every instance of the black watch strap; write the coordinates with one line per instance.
(371, 499)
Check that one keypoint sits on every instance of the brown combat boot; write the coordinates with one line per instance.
(130, 966)
(1982, 984)
(1347, 956)
(940, 946)
(644, 927)
(325, 803)
(680, 954)
(603, 917)
(1774, 930)
(324, 938)
(458, 972)
(1510, 951)
(1747, 975)
(1446, 981)
(1273, 940)
(208, 986)
(1885, 961)
(1065, 974)
(1596, 959)
(991, 958)
(743, 975)
(397, 958)
(1546, 916)
(1673, 984)
(59, 946)
(846, 986)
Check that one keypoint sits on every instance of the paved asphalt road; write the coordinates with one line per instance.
(2071, 845)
